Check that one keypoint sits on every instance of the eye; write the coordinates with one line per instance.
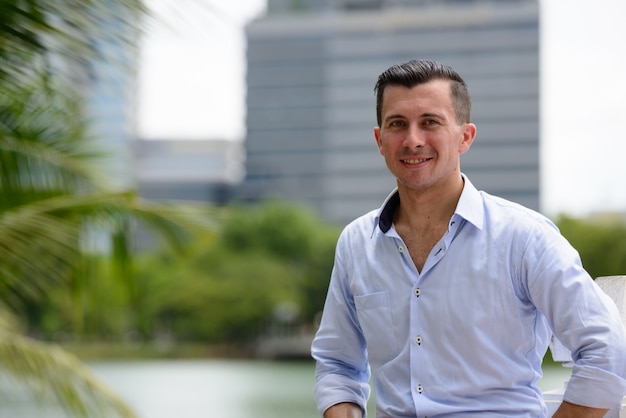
(396, 122)
(430, 123)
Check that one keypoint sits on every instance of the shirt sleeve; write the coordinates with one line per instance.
(581, 316)
(342, 370)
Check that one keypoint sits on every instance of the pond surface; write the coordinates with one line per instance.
(212, 388)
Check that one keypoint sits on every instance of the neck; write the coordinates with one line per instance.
(424, 208)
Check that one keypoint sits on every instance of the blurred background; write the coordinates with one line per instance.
(174, 175)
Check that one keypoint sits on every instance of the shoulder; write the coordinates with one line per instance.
(530, 241)
(519, 228)
(508, 213)
(361, 227)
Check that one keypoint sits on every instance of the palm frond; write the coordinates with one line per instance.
(39, 37)
(40, 243)
(52, 185)
(52, 373)
(37, 250)
(43, 145)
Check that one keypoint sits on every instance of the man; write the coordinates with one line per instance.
(449, 294)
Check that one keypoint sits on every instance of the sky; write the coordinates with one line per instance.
(184, 94)
(192, 69)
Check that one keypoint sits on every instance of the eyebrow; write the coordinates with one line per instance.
(423, 115)
(431, 115)
(394, 116)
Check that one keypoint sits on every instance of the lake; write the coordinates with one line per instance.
(212, 388)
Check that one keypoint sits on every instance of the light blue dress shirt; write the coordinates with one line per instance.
(464, 337)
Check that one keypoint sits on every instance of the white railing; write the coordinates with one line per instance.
(615, 287)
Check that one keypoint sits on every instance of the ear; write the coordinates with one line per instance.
(378, 140)
(469, 133)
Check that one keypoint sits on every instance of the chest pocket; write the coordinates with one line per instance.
(376, 320)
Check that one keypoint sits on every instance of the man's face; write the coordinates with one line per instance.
(419, 136)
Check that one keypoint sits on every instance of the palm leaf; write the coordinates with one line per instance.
(52, 373)
(52, 187)
(52, 230)
(43, 146)
(39, 37)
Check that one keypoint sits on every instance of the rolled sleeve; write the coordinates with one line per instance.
(594, 387)
(333, 389)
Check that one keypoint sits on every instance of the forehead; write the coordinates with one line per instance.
(430, 96)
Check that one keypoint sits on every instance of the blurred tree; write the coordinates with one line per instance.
(274, 228)
(296, 236)
(226, 302)
(54, 200)
(268, 263)
(601, 245)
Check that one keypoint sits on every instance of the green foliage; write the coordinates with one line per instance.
(272, 228)
(54, 195)
(225, 303)
(602, 246)
(228, 287)
(231, 288)
(57, 211)
(294, 236)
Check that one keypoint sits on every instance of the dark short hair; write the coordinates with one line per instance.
(414, 72)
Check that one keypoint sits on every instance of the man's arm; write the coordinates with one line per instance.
(570, 410)
(344, 410)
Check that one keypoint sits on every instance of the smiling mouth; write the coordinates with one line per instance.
(415, 161)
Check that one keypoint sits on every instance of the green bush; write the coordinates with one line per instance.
(602, 246)
(265, 258)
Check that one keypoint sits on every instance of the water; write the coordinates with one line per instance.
(213, 388)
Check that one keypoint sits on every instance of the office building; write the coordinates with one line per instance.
(188, 170)
(312, 66)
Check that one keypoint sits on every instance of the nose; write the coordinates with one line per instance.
(414, 137)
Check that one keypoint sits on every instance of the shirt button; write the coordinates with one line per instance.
(401, 249)
(420, 389)
(418, 340)
(418, 292)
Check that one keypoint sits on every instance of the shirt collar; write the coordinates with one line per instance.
(384, 220)
(470, 207)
